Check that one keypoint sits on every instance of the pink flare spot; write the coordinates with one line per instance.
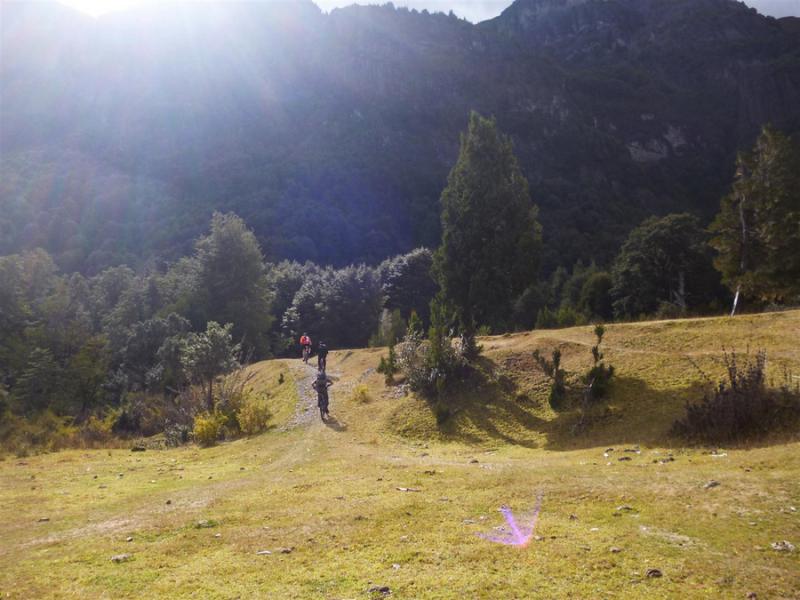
(515, 534)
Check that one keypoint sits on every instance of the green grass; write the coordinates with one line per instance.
(281, 397)
(330, 492)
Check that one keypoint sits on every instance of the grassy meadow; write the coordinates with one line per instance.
(381, 501)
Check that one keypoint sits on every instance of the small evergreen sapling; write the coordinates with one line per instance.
(388, 366)
(414, 323)
(552, 368)
(599, 376)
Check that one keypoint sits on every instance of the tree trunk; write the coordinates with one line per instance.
(742, 254)
(680, 295)
(469, 346)
(210, 399)
(736, 299)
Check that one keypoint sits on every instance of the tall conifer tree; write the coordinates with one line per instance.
(491, 239)
(757, 231)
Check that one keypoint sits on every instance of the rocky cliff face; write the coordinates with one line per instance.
(333, 134)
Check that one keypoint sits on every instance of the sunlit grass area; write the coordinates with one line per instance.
(381, 496)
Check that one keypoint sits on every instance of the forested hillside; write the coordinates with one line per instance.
(186, 188)
(331, 135)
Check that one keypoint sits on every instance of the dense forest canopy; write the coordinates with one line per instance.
(332, 135)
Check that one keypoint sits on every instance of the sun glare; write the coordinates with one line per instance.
(99, 7)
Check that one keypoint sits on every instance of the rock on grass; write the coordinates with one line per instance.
(120, 558)
(205, 524)
(383, 590)
(784, 546)
(654, 573)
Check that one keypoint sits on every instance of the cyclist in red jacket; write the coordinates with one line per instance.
(305, 343)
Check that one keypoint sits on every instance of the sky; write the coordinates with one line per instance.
(472, 10)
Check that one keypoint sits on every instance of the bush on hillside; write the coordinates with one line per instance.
(557, 375)
(411, 360)
(96, 432)
(598, 378)
(208, 428)
(233, 393)
(742, 406)
(388, 365)
(253, 414)
(45, 431)
(427, 366)
(140, 414)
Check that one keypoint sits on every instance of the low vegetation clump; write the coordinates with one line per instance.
(429, 365)
(388, 365)
(742, 406)
(208, 428)
(253, 414)
(598, 379)
(45, 431)
(361, 394)
(96, 431)
(557, 375)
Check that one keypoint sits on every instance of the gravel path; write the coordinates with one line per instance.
(306, 411)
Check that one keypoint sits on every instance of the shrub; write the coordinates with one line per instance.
(253, 414)
(598, 378)
(428, 366)
(741, 406)
(361, 394)
(412, 360)
(484, 331)
(180, 414)
(232, 394)
(414, 323)
(95, 431)
(176, 434)
(552, 368)
(388, 366)
(45, 431)
(140, 414)
(208, 427)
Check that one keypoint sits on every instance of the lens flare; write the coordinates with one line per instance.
(513, 533)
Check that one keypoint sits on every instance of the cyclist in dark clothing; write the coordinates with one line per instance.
(322, 357)
(321, 385)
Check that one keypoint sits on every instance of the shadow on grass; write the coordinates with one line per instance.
(333, 423)
(633, 413)
(490, 405)
(486, 407)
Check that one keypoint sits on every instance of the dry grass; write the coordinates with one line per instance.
(330, 491)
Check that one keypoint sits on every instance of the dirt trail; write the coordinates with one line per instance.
(306, 412)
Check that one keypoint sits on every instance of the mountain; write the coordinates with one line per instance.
(332, 134)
